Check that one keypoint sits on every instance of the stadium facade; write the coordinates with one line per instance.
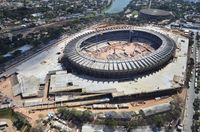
(76, 60)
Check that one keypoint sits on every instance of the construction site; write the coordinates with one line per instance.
(128, 68)
(118, 50)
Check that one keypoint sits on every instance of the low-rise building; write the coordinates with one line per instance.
(156, 109)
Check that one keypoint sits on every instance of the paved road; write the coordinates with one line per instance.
(188, 115)
(150, 4)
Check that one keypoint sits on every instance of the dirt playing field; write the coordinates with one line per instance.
(118, 50)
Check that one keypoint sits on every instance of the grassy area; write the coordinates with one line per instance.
(6, 113)
(135, 13)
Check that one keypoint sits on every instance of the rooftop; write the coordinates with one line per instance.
(156, 109)
(155, 12)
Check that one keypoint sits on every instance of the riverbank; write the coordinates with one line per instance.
(116, 6)
(109, 3)
(107, 6)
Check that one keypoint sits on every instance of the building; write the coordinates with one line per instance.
(91, 78)
(156, 109)
(101, 128)
(155, 14)
(107, 54)
(61, 127)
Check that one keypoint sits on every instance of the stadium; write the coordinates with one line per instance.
(120, 62)
(155, 14)
(118, 52)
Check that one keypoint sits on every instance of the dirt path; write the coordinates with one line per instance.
(10, 127)
(32, 117)
(136, 107)
(6, 89)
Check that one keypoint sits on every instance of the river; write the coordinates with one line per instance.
(193, 0)
(117, 6)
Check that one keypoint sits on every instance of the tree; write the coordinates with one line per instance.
(77, 117)
(158, 120)
(65, 113)
(38, 128)
(20, 121)
(176, 109)
(196, 104)
(87, 116)
(132, 124)
(110, 122)
(196, 115)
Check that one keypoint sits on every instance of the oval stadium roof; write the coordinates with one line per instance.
(155, 12)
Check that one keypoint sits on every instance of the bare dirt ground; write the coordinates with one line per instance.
(10, 127)
(183, 95)
(45, 97)
(32, 117)
(6, 89)
(135, 106)
(119, 50)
